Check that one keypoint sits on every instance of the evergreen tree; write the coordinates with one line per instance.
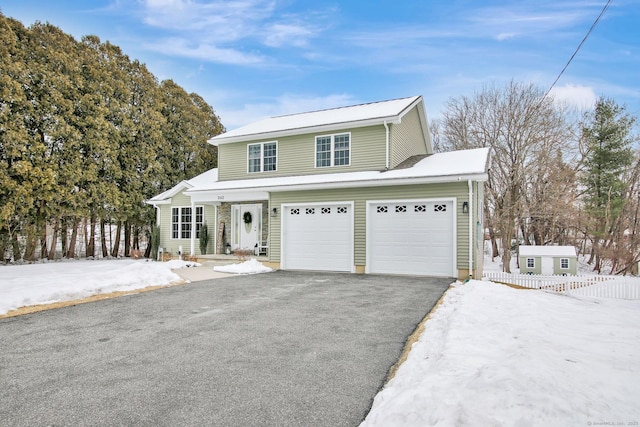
(607, 136)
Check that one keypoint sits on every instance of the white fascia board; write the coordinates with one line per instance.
(158, 202)
(304, 130)
(241, 194)
(379, 183)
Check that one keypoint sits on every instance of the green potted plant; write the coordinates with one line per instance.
(204, 238)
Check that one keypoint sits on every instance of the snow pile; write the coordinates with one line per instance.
(177, 263)
(492, 355)
(252, 266)
(32, 284)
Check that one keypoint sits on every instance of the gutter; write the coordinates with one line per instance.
(219, 139)
(345, 184)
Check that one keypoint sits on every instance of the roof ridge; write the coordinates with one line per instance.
(344, 106)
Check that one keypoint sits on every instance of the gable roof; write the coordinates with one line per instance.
(564, 251)
(361, 115)
(195, 182)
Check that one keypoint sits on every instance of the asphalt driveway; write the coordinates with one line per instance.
(283, 348)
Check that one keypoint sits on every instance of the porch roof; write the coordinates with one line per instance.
(451, 166)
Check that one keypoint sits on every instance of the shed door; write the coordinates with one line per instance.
(317, 237)
(411, 237)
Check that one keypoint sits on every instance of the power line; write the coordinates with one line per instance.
(604, 9)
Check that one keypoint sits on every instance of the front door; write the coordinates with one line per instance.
(247, 226)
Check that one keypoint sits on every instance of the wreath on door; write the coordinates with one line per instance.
(247, 218)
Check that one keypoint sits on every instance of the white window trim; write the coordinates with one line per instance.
(193, 221)
(527, 262)
(261, 144)
(333, 147)
(568, 263)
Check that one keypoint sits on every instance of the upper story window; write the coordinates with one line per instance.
(262, 157)
(333, 150)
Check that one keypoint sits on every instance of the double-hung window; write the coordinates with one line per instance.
(531, 263)
(333, 150)
(181, 222)
(564, 263)
(262, 157)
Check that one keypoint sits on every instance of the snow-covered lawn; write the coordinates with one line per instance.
(33, 284)
(495, 356)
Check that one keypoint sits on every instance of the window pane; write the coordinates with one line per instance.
(174, 223)
(185, 226)
(341, 150)
(323, 151)
(254, 157)
(270, 156)
(199, 220)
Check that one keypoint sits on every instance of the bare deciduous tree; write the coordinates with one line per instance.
(526, 133)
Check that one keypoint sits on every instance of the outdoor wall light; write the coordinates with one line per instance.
(274, 212)
(465, 207)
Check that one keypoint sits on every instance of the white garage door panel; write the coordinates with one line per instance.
(318, 237)
(411, 237)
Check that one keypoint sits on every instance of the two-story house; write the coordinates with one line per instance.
(353, 189)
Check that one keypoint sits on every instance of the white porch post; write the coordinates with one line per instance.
(215, 229)
(193, 228)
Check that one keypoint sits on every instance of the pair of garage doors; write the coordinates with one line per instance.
(402, 237)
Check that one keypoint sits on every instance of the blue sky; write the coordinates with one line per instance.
(251, 59)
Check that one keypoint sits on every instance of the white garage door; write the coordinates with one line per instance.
(411, 237)
(318, 237)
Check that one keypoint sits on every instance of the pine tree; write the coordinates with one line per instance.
(607, 136)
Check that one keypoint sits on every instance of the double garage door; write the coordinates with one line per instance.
(402, 237)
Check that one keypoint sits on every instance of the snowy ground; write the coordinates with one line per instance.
(495, 356)
(490, 355)
(50, 282)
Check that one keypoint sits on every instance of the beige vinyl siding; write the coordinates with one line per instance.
(296, 155)
(360, 196)
(407, 138)
(172, 245)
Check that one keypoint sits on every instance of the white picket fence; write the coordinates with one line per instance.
(620, 287)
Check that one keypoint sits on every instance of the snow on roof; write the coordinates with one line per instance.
(197, 181)
(204, 178)
(442, 167)
(528, 250)
(352, 114)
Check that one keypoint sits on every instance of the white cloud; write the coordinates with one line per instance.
(278, 35)
(204, 51)
(582, 97)
(505, 36)
(282, 105)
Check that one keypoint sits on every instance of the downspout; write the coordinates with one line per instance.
(470, 229)
(386, 166)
